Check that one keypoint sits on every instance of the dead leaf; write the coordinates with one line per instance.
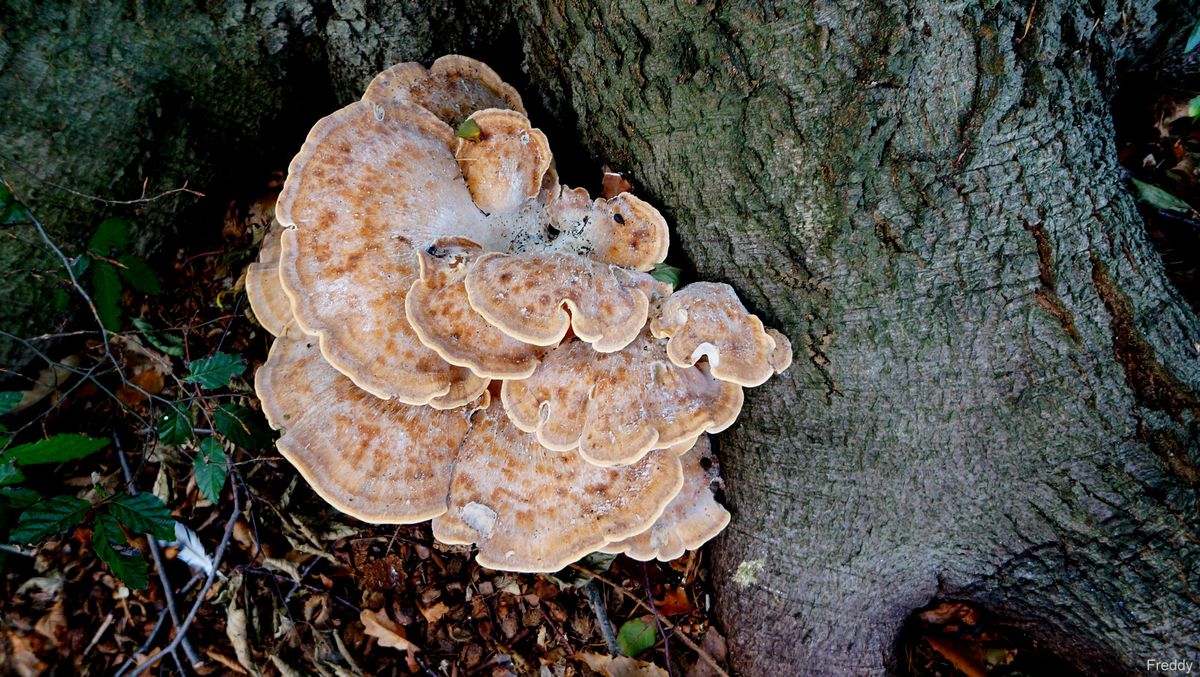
(52, 625)
(714, 645)
(964, 658)
(23, 661)
(613, 184)
(620, 666)
(382, 628)
(235, 629)
(674, 602)
(434, 613)
(950, 612)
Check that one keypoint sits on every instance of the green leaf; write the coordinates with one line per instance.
(1159, 198)
(636, 635)
(125, 561)
(216, 370)
(210, 469)
(1193, 39)
(174, 426)
(665, 273)
(139, 274)
(20, 497)
(168, 343)
(1194, 107)
(9, 400)
(144, 513)
(242, 426)
(49, 517)
(59, 448)
(106, 293)
(11, 209)
(10, 474)
(112, 234)
(469, 129)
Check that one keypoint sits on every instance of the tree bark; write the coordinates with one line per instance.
(994, 397)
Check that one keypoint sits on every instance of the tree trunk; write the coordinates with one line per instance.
(994, 397)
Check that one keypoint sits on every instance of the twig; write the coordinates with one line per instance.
(208, 582)
(682, 637)
(95, 198)
(162, 617)
(596, 599)
(658, 619)
(562, 639)
(156, 555)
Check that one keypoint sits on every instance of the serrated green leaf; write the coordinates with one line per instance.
(144, 513)
(469, 129)
(1159, 198)
(174, 426)
(20, 497)
(139, 274)
(168, 343)
(49, 517)
(636, 635)
(10, 474)
(669, 274)
(111, 235)
(242, 426)
(65, 447)
(1193, 39)
(106, 294)
(215, 370)
(9, 400)
(210, 469)
(111, 547)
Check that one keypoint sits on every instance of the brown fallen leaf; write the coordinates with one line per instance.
(613, 184)
(620, 666)
(382, 628)
(53, 625)
(714, 645)
(964, 658)
(948, 612)
(674, 602)
(434, 613)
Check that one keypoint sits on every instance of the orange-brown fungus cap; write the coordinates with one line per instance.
(616, 407)
(443, 319)
(706, 319)
(368, 180)
(380, 461)
(452, 88)
(692, 519)
(505, 163)
(527, 296)
(532, 509)
(623, 230)
(267, 300)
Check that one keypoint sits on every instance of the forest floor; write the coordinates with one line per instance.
(296, 587)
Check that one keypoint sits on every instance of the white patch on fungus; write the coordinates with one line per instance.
(480, 518)
(708, 350)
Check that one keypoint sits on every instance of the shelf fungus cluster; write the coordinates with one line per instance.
(461, 338)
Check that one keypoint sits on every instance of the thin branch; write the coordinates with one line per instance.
(156, 555)
(670, 626)
(657, 619)
(187, 622)
(595, 598)
(95, 198)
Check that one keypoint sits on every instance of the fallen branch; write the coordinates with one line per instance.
(187, 622)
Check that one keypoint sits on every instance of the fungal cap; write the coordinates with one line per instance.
(691, 519)
(527, 296)
(505, 162)
(623, 230)
(706, 319)
(535, 510)
(379, 461)
(267, 299)
(617, 407)
(440, 314)
(362, 189)
(452, 88)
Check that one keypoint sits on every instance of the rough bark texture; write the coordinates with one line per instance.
(994, 396)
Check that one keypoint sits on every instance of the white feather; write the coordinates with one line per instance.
(191, 550)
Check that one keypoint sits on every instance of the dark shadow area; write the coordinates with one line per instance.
(1158, 143)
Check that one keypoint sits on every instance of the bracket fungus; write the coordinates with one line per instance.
(461, 338)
